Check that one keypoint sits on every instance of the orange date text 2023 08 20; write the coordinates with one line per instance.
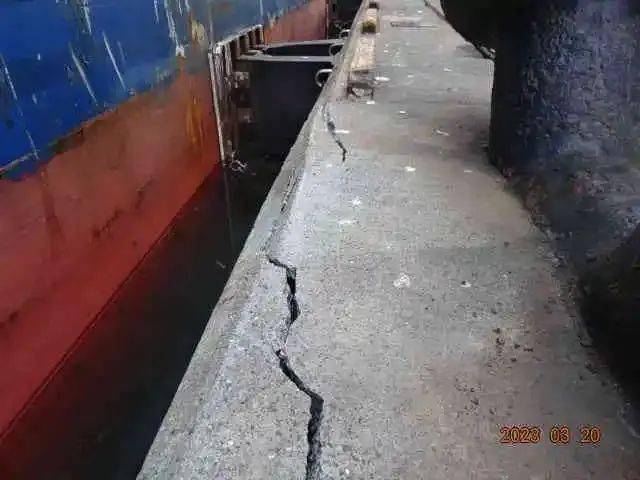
(556, 435)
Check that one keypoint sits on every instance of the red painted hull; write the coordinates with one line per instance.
(86, 219)
(72, 234)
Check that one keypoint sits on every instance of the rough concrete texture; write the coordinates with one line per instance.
(566, 83)
(430, 311)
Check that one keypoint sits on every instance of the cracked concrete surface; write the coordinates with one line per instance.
(316, 407)
(331, 128)
(430, 313)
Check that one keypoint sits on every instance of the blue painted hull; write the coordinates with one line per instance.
(65, 62)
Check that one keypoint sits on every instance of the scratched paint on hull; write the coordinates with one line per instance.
(65, 62)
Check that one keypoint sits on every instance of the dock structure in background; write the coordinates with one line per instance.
(394, 307)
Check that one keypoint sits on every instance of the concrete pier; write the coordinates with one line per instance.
(395, 306)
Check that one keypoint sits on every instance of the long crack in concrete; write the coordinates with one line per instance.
(331, 127)
(316, 408)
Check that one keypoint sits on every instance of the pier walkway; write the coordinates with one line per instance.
(395, 306)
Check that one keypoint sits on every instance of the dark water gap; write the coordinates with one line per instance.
(98, 416)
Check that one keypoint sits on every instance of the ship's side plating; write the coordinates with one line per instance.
(106, 131)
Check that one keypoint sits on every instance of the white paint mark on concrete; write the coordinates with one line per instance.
(371, 102)
(447, 69)
(410, 169)
(113, 61)
(382, 79)
(442, 132)
(345, 222)
(83, 74)
(468, 171)
(343, 132)
(402, 281)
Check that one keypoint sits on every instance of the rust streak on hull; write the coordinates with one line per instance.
(306, 23)
(114, 194)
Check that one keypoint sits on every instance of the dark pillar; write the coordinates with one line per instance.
(566, 122)
(475, 20)
(567, 84)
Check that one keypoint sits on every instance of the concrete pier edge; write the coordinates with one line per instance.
(255, 257)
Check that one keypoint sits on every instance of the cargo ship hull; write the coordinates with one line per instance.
(88, 216)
